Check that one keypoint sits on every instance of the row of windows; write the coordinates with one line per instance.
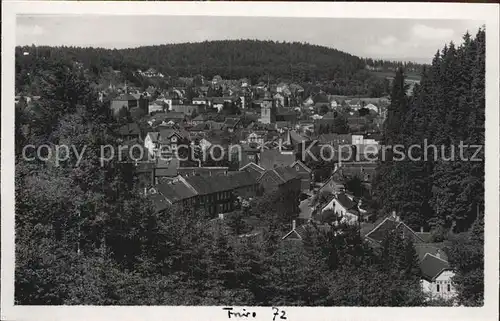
(442, 282)
(448, 287)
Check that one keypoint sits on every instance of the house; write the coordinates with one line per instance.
(286, 115)
(250, 153)
(217, 193)
(254, 138)
(365, 171)
(244, 183)
(129, 131)
(232, 124)
(200, 119)
(391, 223)
(281, 87)
(156, 106)
(188, 109)
(174, 117)
(165, 141)
(127, 101)
(255, 170)
(271, 158)
(282, 178)
(279, 100)
(304, 173)
(344, 207)
(201, 101)
(172, 193)
(437, 275)
(334, 184)
(201, 171)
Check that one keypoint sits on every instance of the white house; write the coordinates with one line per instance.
(155, 107)
(344, 207)
(150, 142)
(437, 277)
(357, 140)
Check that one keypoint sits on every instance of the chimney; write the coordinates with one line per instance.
(394, 214)
(293, 225)
(145, 191)
(438, 253)
(421, 229)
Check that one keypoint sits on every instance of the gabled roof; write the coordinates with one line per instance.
(299, 233)
(345, 201)
(253, 166)
(154, 136)
(280, 175)
(298, 162)
(430, 248)
(390, 224)
(432, 266)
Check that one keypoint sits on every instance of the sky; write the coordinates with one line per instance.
(398, 39)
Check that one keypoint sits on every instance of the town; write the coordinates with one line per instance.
(267, 191)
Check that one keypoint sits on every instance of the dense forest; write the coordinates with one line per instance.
(340, 72)
(444, 192)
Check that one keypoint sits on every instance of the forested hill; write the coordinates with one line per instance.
(231, 59)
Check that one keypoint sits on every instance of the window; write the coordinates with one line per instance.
(437, 288)
(449, 288)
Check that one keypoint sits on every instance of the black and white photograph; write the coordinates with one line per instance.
(239, 161)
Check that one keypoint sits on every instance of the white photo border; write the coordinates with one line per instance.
(488, 13)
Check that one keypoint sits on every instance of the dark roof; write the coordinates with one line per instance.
(129, 129)
(125, 97)
(241, 179)
(345, 201)
(390, 224)
(426, 236)
(202, 171)
(431, 266)
(432, 248)
(286, 173)
(175, 192)
(166, 168)
(253, 169)
(159, 201)
(208, 185)
(271, 158)
(199, 117)
(231, 121)
(285, 112)
(174, 115)
(335, 138)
